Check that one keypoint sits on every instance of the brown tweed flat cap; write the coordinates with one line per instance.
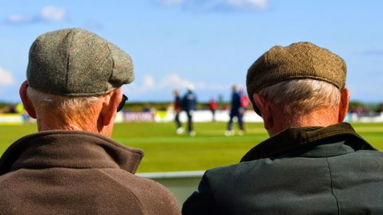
(297, 61)
(75, 62)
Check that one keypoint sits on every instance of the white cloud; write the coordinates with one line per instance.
(242, 4)
(17, 18)
(150, 84)
(47, 14)
(218, 5)
(170, 2)
(52, 13)
(148, 81)
(174, 81)
(6, 77)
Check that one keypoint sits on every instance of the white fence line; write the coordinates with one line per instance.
(221, 116)
(180, 174)
(181, 184)
(198, 116)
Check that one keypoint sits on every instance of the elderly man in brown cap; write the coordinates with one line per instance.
(313, 163)
(71, 166)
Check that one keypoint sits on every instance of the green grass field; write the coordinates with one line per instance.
(166, 151)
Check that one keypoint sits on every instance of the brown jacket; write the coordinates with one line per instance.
(74, 172)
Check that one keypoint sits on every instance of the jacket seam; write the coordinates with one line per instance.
(332, 185)
(143, 209)
(213, 196)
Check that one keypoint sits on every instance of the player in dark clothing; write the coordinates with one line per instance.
(177, 111)
(189, 103)
(236, 110)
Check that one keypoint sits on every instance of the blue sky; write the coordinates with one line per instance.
(207, 43)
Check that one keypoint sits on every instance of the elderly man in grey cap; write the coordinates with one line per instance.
(71, 166)
(313, 163)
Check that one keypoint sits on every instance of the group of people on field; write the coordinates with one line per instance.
(238, 105)
(311, 163)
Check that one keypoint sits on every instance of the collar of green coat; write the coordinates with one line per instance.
(68, 149)
(296, 138)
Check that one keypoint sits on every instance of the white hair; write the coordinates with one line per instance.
(71, 108)
(301, 96)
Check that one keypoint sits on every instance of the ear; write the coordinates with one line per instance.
(26, 102)
(343, 105)
(109, 107)
(265, 109)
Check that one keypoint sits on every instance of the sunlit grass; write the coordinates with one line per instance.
(166, 151)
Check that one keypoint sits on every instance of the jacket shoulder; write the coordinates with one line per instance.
(152, 196)
(83, 191)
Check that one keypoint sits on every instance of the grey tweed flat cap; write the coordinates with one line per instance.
(75, 62)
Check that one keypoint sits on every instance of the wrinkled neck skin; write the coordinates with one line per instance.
(321, 117)
(54, 121)
(43, 125)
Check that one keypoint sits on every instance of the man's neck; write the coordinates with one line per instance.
(56, 124)
(321, 117)
(70, 127)
(46, 125)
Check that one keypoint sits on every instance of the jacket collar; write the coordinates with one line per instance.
(68, 149)
(295, 138)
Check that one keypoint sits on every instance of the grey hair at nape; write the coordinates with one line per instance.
(301, 96)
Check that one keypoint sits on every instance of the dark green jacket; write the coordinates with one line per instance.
(74, 172)
(299, 171)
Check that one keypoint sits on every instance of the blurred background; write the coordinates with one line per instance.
(206, 44)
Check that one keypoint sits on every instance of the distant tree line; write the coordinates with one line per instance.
(355, 106)
(146, 106)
